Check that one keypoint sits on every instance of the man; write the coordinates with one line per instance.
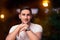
(26, 30)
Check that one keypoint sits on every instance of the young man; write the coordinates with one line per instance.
(26, 30)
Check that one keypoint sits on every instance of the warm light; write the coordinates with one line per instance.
(2, 16)
(45, 3)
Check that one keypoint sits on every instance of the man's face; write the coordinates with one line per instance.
(25, 16)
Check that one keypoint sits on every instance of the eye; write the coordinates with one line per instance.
(23, 14)
(28, 14)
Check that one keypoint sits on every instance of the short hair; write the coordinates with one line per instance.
(26, 8)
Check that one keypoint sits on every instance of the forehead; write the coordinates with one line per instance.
(25, 11)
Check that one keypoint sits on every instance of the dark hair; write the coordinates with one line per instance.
(26, 8)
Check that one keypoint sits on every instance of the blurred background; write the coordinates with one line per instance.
(45, 12)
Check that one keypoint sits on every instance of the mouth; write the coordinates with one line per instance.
(25, 21)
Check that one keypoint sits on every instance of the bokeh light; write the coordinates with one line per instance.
(45, 3)
(2, 16)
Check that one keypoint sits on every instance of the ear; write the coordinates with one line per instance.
(19, 16)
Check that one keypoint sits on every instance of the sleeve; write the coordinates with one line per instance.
(37, 28)
(12, 28)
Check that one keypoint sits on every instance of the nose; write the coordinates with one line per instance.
(26, 16)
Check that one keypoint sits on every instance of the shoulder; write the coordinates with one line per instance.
(36, 25)
(36, 28)
(13, 28)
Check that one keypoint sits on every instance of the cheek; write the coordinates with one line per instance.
(29, 17)
(21, 17)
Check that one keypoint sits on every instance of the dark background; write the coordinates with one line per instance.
(50, 22)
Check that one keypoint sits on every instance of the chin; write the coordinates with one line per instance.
(25, 22)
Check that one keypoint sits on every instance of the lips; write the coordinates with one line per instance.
(25, 20)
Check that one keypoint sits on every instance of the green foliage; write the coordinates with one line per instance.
(54, 20)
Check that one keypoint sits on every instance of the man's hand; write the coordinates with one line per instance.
(25, 26)
(12, 35)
